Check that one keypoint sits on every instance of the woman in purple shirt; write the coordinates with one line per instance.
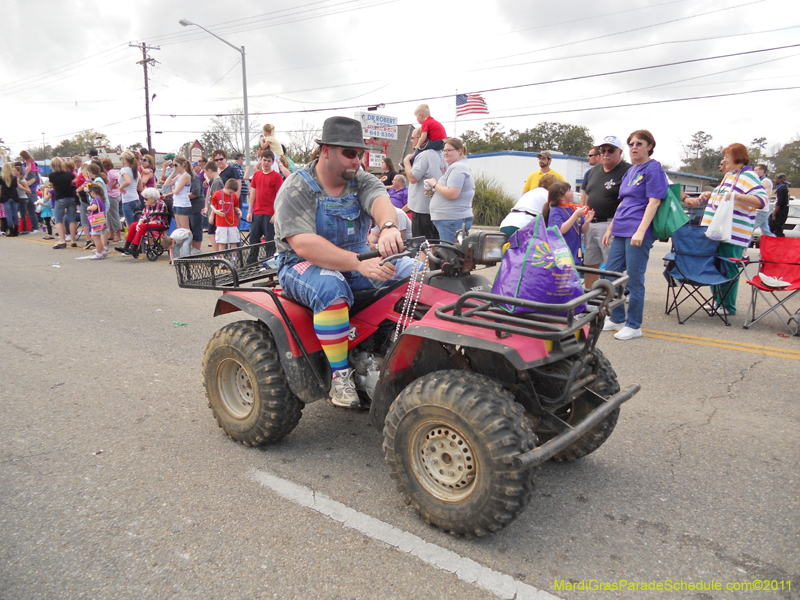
(643, 188)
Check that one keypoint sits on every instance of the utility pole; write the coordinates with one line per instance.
(146, 60)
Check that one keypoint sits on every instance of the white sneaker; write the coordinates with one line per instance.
(609, 325)
(343, 389)
(98, 256)
(628, 333)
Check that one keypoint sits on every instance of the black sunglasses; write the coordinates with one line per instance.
(351, 153)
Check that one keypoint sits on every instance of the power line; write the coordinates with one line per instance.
(272, 15)
(524, 85)
(62, 68)
(48, 83)
(594, 17)
(250, 26)
(64, 135)
(648, 46)
(600, 37)
(658, 85)
(637, 104)
(377, 89)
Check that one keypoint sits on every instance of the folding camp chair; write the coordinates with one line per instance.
(693, 264)
(778, 273)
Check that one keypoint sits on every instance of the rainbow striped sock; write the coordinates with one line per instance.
(332, 326)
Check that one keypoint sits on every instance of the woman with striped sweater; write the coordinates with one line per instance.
(742, 186)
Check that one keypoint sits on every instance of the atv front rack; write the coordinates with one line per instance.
(548, 322)
(226, 269)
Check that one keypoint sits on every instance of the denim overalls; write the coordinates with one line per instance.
(344, 223)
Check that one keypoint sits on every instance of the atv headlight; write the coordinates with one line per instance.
(487, 248)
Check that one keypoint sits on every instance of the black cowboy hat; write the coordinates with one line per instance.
(342, 131)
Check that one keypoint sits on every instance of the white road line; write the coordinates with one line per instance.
(465, 569)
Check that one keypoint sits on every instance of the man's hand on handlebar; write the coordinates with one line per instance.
(373, 269)
(390, 242)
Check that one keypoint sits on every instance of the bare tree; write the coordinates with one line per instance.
(227, 133)
(40, 153)
(301, 141)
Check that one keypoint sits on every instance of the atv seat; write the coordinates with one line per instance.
(363, 298)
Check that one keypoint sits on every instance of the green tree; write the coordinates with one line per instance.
(473, 141)
(757, 151)
(558, 137)
(706, 164)
(576, 141)
(698, 145)
(86, 140)
(787, 160)
(492, 139)
(700, 158)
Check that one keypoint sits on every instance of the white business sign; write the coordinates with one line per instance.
(377, 126)
(375, 159)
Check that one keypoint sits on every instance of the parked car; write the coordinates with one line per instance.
(792, 226)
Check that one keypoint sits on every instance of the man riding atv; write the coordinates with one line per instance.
(469, 396)
(322, 218)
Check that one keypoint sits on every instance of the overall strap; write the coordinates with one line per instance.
(310, 181)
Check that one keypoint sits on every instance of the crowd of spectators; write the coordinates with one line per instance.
(111, 205)
(215, 197)
(619, 200)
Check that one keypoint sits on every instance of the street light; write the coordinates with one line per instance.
(186, 23)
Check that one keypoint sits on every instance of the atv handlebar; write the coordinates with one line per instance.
(411, 245)
(368, 255)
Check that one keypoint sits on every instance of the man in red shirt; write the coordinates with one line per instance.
(265, 184)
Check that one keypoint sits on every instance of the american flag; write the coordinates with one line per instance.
(470, 104)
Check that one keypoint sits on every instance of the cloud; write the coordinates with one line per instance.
(339, 53)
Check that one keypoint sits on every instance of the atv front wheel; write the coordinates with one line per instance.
(605, 385)
(246, 386)
(450, 440)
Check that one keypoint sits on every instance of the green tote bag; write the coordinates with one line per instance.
(670, 216)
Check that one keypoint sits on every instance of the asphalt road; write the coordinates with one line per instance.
(115, 481)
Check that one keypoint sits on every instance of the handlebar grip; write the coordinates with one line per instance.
(368, 255)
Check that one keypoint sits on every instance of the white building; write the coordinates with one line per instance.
(511, 169)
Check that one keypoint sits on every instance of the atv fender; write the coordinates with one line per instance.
(420, 351)
(299, 373)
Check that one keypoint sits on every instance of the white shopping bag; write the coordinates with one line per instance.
(722, 222)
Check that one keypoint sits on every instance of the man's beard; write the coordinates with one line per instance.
(347, 174)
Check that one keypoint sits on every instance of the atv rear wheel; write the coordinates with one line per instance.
(450, 439)
(606, 385)
(246, 386)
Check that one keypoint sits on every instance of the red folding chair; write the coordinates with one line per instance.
(780, 269)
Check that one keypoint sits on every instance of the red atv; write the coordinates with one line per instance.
(469, 396)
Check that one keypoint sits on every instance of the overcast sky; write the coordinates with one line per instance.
(71, 68)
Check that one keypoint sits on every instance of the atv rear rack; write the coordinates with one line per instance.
(227, 269)
(479, 309)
